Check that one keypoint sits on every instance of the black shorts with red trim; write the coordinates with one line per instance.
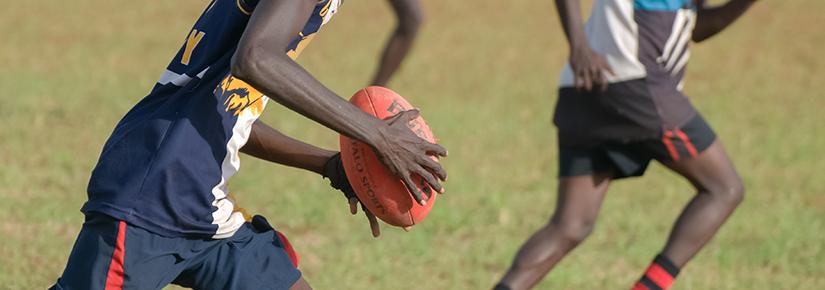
(110, 254)
(631, 158)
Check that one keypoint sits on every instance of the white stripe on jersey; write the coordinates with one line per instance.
(679, 24)
(225, 217)
(681, 63)
(178, 79)
(682, 43)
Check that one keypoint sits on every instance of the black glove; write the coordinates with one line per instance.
(334, 171)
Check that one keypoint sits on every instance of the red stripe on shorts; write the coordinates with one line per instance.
(690, 148)
(114, 279)
(293, 256)
(670, 148)
(659, 276)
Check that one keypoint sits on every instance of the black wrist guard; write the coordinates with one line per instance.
(334, 171)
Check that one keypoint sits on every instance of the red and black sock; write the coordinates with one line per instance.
(659, 276)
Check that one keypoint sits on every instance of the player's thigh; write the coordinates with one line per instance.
(91, 255)
(110, 253)
(251, 259)
(694, 151)
(580, 197)
(710, 171)
(301, 285)
(584, 176)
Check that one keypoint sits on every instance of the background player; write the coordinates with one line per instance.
(158, 209)
(410, 16)
(620, 105)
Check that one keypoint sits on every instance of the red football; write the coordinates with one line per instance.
(382, 192)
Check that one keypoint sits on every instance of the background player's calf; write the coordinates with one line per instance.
(579, 201)
(720, 190)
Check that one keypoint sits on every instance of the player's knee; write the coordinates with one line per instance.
(736, 193)
(731, 192)
(573, 231)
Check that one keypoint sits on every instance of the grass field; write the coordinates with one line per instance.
(484, 75)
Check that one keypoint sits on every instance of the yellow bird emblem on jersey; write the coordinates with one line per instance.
(240, 97)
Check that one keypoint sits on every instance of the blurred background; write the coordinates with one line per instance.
(484, 74)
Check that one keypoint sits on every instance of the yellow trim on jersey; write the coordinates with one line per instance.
(237, 208)
(326, 8)
(305, 40)
(240, 97)
(240, 7)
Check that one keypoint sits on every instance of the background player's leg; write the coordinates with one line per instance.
(301, 285)
(720, 190)
(579, 201)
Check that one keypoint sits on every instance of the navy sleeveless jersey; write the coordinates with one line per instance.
(166, 166)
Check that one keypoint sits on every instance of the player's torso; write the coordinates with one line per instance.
(641, 38)
(646, 44)
(168, 161)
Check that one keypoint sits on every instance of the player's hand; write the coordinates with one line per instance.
(334, 171)
(353, 209)
(590, 69)
(405, 154)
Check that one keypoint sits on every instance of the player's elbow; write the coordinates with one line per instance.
(247, 61)
(698, 37)
(706, 27)
(242, 64)
(410, 23)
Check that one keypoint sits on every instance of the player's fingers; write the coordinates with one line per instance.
(608, 69)
(442, 190)
(436, 149)
(391, 119)
(407, 228)
(587, 82)
(389, 162)
(374, 227)
(578, 80)
(405, 116)
(434, 176)
(434, 168)
(409, 115)
(602, 65)
(353, 205)
(430, 179)
(599, 80)
(417, 195)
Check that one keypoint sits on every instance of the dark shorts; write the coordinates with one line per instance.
(631, 158)
(110, 254)
(628, 110)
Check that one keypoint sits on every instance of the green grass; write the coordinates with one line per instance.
(484, 75)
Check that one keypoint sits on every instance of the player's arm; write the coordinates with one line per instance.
(261, 61)
(712, 20)
(410, 16)
(271, 145)
(589, 68)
